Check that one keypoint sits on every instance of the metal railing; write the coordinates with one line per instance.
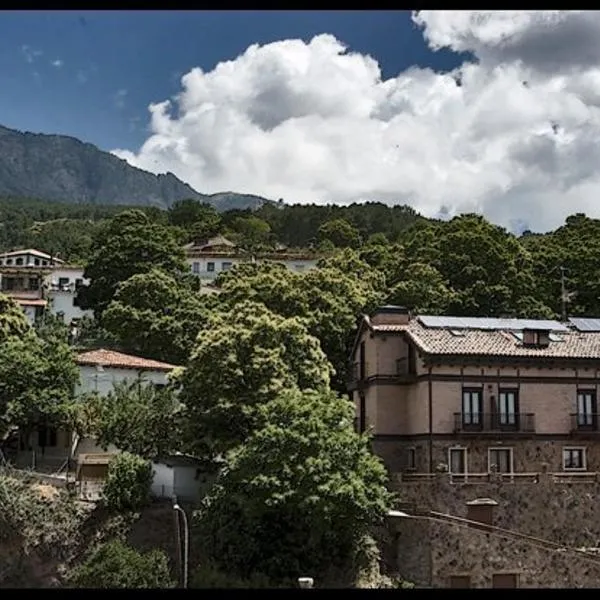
(494, 422)
(564, 478)
(584, 423)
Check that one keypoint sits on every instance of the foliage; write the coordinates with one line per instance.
(299, 495)
(90, 334)
(243, 358)
(127, 485)
(131, 243)
(156, 316)
(136, 417)
(340, 233)
(37, 375)
(116, 565)
(207, 575)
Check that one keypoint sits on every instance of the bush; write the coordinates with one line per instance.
(207, 575)
(128, 482)
(116, 565)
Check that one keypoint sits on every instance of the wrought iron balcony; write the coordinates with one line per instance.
(494, 422)
(585, 423)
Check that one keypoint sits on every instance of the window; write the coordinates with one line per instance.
(226, 266)
(36, 262)
(508, 402)
(574, 459)
(502, 458)
(78, 283)
(34, 283)
(586, 409)
(44, 263)
(19, 261)
(471, 408)
(299, 267)
(411, 459)
(60, 315)
(460, 582)
(9, 261)
(457, 460)
(196, 267)
(63, 282)
(210, 267)
(505, 580)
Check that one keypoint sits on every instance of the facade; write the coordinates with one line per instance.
(178, 475)
(209, 258)
(463, 398)
(99, 371)
(38, 281)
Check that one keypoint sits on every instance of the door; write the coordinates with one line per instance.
(460, 582)
(458, 461)
(505, 580)
(508, 409)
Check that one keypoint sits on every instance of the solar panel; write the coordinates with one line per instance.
(585, 323)
(492, 324)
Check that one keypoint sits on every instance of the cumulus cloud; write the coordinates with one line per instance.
(512, 134)
(30, 54)
(57, 63)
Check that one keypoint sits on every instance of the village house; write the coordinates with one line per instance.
(209, 258)
(478, 414)
(38, 281)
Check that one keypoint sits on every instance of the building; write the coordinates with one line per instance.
(179, 475)
(442, 393)
(38, 281)
(209, 258)
(99, 370)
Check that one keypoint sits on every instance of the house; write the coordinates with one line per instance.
(209, 258)
(468, 393)
(99, 370)
(62, 285)
(464, 410)
(179, 475)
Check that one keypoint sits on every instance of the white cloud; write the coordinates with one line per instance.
(57, 63)
(513, 135)
(30, 53)
(119, 98)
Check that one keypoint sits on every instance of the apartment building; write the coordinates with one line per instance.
(209, 258)
(474, 395)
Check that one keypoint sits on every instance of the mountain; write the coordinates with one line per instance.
(63, 168)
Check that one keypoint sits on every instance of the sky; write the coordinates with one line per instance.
(495, 112)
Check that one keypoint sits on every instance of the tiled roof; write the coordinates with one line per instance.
(31, 302)
(437, 341)
(111, 358)
(31, 251)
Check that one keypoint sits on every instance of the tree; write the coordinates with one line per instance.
(252, 233)
(116, 565)
(299, 496)
(340, 233)
(129, 244)
(243, 358)
(128, 481)
(157, 316)
(201, 218)
(135, 416)
(37, 376)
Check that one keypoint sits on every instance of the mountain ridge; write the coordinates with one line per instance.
(63, 168)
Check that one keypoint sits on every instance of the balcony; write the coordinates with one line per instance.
(585, 424)
(400, 373)
(494, 423)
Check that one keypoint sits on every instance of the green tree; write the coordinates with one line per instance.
(157, 316)
(340, 233)
(128, 481)
(129, 244)
(243, 358)
(252, 233)
(135, 416)
(116, 565)
(299, 496)
(13, 322)
(202, 218)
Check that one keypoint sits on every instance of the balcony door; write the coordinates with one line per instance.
(586, 409)
(508, 409)
(472, 410)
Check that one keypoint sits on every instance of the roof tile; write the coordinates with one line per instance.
(119, 360)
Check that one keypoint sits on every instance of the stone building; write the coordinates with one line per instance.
(460, 395)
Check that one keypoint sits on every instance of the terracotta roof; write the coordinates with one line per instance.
(471, 342)
(111, 358)
(32, 302)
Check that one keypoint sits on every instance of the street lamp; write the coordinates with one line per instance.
(396, 514)
(186, 542)
(305, 582)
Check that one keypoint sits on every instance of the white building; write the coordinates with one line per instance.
(179, 475)
(99, 371)
(28, 258)
(62, 285)
(209, 258)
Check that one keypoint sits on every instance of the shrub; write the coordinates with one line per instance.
(128, 482)
(207, 575)
(116, 565)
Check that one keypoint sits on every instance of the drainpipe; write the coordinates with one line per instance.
(430, 390)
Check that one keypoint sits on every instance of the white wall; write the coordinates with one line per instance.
(62, 302)
(163, 480)
(103, 381)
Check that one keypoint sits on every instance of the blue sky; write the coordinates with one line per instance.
(92, 74)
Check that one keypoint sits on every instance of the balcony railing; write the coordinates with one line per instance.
(585, 423)
(359, 373)
(494, 422)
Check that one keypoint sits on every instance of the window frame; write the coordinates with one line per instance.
(210, 267)
(511, 461)
(499, 413)
(583, 450)
(469, 424)
(593, 420)
(464, 450)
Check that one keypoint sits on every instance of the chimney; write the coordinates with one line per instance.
(481, 510)
(536, 338)
(391, 315)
